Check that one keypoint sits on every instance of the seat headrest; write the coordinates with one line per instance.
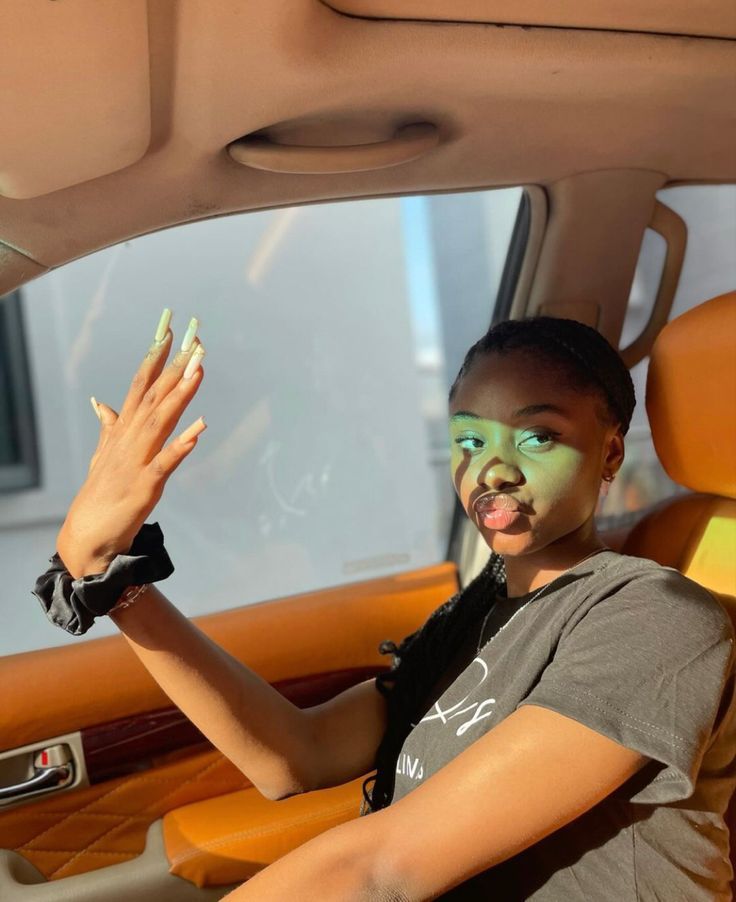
(691, 397)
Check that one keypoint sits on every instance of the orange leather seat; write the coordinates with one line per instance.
(691, 403)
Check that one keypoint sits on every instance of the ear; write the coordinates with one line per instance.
(613, 452)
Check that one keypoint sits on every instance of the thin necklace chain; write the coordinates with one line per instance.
(535, 596)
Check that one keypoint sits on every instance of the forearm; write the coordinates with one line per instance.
(335, 866)
(252, 724)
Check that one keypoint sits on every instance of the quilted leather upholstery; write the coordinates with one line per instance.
(106, 824)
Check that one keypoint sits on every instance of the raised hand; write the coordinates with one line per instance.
(131, 464)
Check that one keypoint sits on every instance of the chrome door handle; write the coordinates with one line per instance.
(54, 769)
(47, 778)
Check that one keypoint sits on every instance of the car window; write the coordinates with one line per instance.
(333, 332)
(18, 443)
(709, 269)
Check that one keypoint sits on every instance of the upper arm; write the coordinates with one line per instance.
(527, 777)
(346, 732)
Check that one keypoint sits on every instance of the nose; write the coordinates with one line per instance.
(497, 475)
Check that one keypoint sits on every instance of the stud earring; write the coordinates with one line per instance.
(606, 481)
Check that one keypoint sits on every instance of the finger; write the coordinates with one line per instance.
(105, 414)
(107, 417)
(169, 458)
(153, 416)
(167, 379)
(151, 367)
(153, 427)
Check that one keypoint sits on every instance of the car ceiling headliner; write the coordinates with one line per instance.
(117, 116)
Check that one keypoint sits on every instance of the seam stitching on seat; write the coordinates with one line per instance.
(196, 776)
(202, 776)
(88, 850)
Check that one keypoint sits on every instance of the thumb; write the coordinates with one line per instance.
(106, 415)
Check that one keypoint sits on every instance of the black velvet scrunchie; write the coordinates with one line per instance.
(73, 604)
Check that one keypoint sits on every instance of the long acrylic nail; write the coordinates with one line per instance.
(189, 335)
(163, 325)
(193, 430)
(95, 407)
(194, 362)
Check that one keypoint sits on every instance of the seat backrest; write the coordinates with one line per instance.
(691, 403)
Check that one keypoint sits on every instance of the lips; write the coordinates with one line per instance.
(497, 501)
(497, 510)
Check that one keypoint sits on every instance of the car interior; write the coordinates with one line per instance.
(124, 119)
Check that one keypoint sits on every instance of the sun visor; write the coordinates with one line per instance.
(65, 68)
(712, 18)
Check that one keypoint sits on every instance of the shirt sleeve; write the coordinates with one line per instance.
(646, 666)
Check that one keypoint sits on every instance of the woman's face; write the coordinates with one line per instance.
(528, 451)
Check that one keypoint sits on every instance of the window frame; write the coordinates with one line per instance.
(463, 536)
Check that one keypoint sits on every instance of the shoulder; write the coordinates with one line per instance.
(657, 593)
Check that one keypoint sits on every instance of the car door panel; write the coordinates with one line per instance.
(76, 832)
(145, 759)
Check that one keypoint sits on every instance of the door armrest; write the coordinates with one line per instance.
(229, 838)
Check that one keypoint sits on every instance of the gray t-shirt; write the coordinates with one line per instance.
(643, 655)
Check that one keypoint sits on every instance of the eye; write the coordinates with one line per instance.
(538, 440)
(469, 442)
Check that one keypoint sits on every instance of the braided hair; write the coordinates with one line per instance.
(579, 351)
(590, 363)
(418, 663)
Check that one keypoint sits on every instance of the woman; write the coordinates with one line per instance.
(555, 734)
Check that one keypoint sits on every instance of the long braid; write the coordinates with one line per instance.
(418, 663)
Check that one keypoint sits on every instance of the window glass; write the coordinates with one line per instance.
(18, 451)
(644, 286)
(9, 444)
(332, 333)
(709, 269)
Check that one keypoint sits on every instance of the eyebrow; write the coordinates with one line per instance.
(528, 411)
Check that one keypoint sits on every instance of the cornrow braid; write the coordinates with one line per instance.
(418, 663)
(589, 360)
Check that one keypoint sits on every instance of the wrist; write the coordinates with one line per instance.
(79, 567)
(76, 589)
(129, 597)
(77, 562)
(79, 556)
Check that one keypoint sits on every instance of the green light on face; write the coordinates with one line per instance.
(534, 455)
